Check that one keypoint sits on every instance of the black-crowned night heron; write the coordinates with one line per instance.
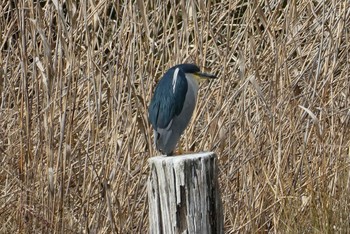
(172, 104)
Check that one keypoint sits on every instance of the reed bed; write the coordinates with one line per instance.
(76, 78)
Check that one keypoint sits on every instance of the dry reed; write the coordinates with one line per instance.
(76, 78)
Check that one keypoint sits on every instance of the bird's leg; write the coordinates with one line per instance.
(181, 151)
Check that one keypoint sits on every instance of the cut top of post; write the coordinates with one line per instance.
(177, 158)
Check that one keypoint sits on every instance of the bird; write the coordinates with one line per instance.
(173, 103)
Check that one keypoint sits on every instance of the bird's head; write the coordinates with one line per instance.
(194, 72)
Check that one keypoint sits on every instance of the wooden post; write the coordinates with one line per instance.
(183, 194)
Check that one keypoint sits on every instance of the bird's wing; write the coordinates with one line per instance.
(168, 99)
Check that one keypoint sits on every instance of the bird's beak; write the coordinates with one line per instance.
(205, 76)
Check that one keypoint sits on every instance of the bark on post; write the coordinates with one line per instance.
(184, 195)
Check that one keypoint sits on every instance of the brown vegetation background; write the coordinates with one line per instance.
(76, 78)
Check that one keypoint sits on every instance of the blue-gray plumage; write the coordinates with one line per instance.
(172, 104)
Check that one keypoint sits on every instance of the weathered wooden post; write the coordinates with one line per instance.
(184, 195)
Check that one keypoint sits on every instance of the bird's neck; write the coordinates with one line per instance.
(193, 82)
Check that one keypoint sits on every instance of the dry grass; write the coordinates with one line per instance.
(76, 78)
